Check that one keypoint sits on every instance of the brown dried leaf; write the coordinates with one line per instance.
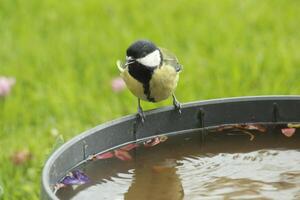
(163, 138)
(257, 127)
(21, 157)
(250, 134)
(152, 142)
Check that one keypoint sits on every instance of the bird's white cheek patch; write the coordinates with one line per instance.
(152, 60)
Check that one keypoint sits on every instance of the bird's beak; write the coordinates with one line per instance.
(129, 60)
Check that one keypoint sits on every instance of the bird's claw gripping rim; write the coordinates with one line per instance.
(141, 115)
(176, 104)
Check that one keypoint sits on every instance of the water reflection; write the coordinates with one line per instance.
(159, 181)
(225, 167)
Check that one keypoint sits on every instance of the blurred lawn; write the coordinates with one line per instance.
(63, 56)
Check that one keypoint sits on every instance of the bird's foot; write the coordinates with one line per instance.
(176, 104)
(141, 115)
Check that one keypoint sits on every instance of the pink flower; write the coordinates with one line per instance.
(117, 84)
(5, 85)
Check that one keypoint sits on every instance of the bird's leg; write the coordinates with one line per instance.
(176, 104)
(140, 111)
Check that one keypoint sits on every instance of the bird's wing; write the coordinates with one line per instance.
(171, 59)
(121, 66)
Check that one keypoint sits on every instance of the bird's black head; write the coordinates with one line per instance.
(144, 52)
(140, 49)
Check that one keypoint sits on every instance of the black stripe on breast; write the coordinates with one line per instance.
(142, 74)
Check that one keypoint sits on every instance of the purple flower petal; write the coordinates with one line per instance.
(76, 177)
(81, 176)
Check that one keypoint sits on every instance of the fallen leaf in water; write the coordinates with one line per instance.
(58, 186)
(152, 142)
(257, 127)
(21, 157)
(248, 133)
(76, 177)
(163, 138)
(103, 156)
(288, 132)
(122, 155)
(225, 127)
(293, 125)
(129, 147)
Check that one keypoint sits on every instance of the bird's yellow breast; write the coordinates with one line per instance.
(163, 82)
(133, 85)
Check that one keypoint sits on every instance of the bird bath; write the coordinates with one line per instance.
(246, 113)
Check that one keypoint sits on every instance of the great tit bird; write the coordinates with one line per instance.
(150, 73)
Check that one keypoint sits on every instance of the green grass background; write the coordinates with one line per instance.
(63, 56)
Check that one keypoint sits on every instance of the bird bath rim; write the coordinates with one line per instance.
(170, 117)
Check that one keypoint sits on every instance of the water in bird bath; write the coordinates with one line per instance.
(233, 162)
